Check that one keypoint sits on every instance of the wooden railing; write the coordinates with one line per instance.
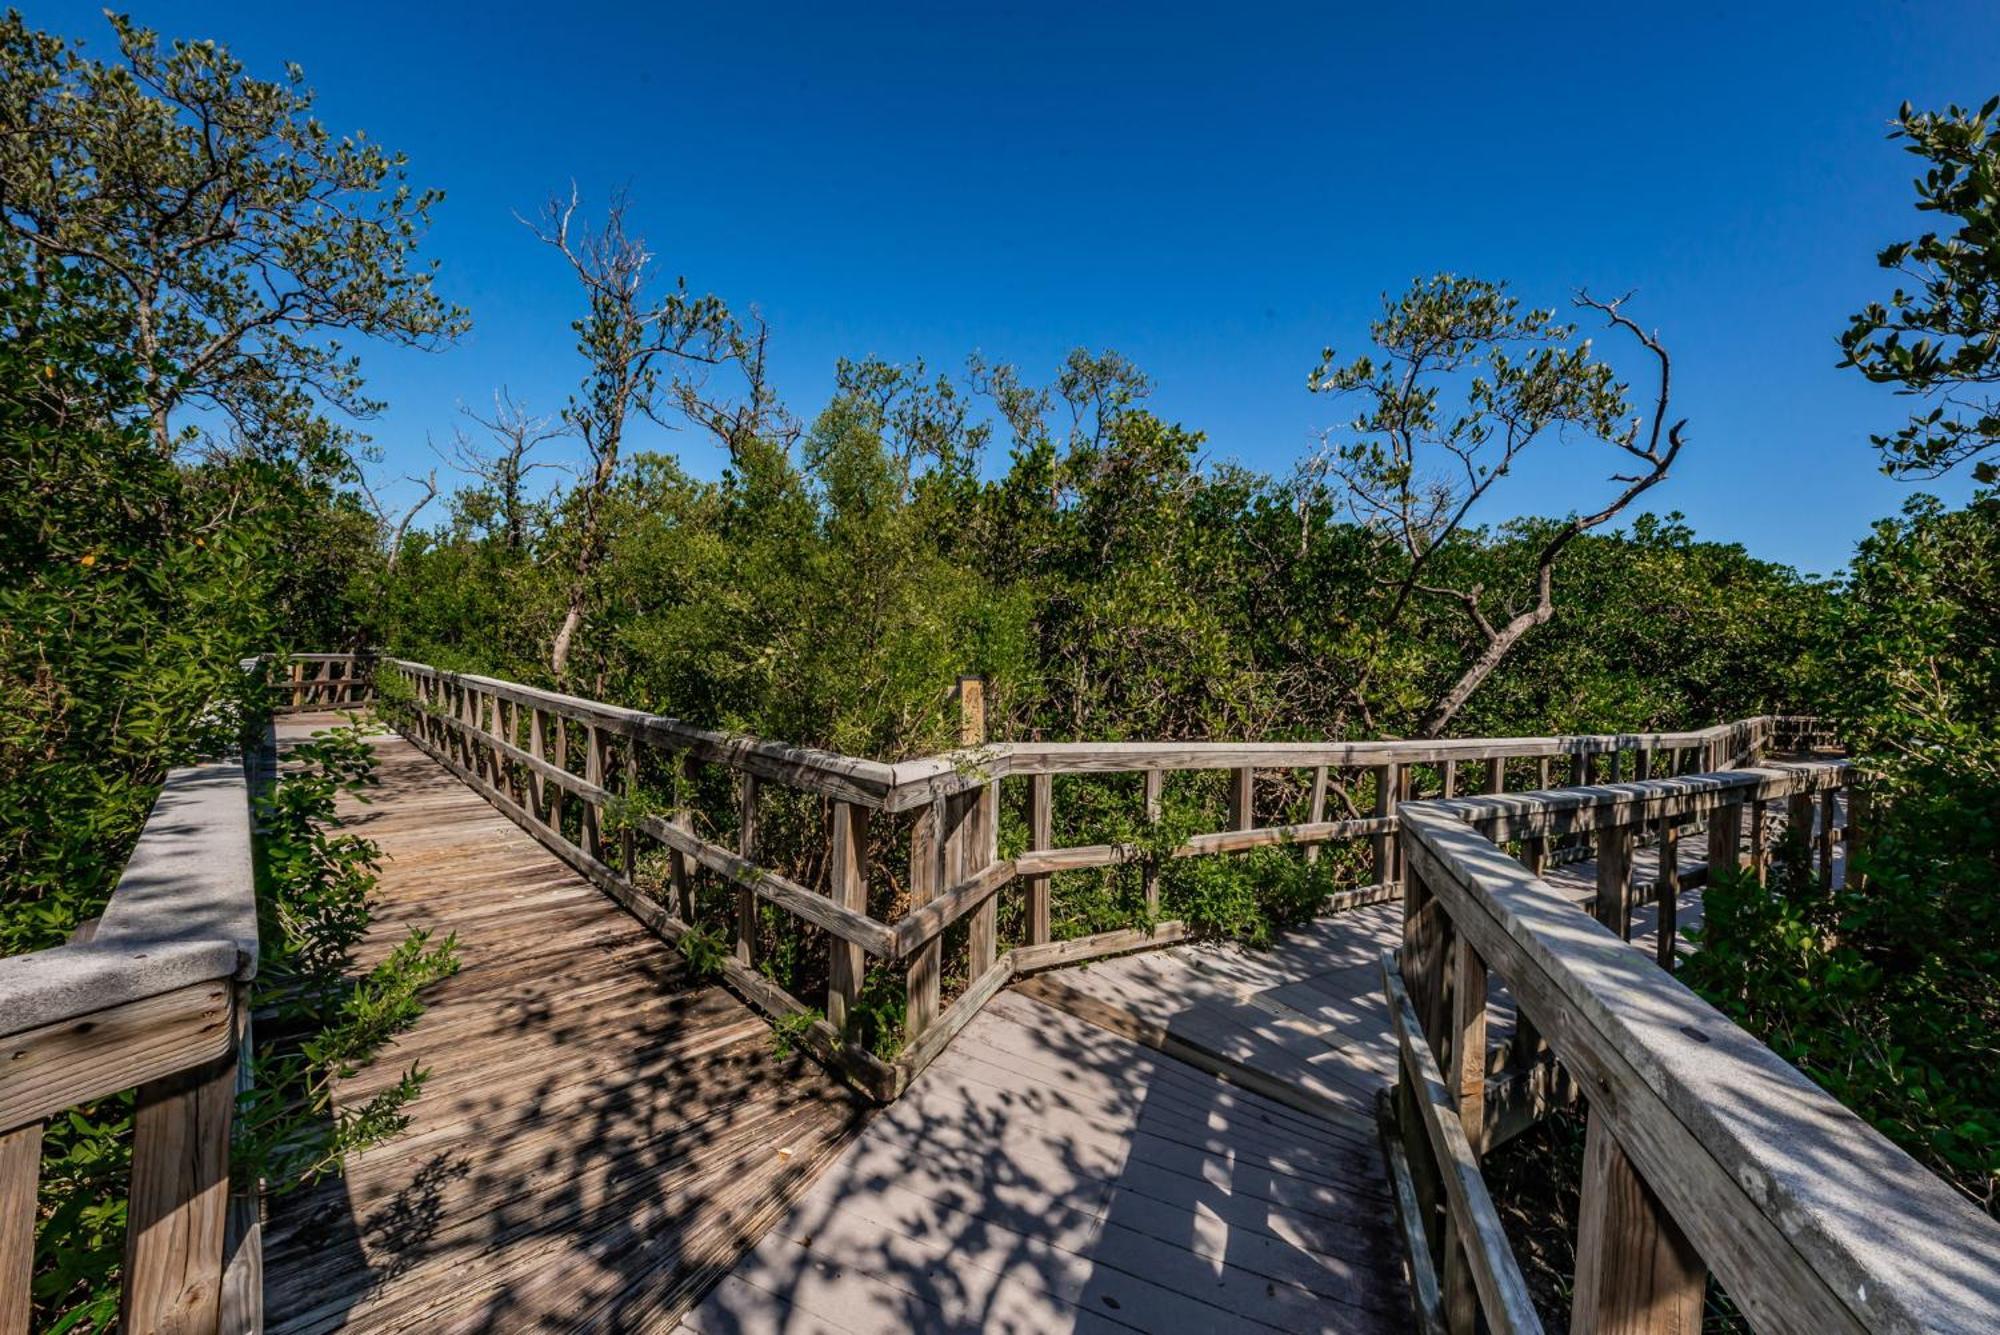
(1703, 1150)
(304, 682)
(574, 773)
(153, 998)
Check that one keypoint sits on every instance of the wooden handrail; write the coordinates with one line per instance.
(1705, 1150)
(155, 999)
(514, 744)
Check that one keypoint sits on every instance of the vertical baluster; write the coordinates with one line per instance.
(677, 866)
(1041, 835)
(1154, 783)
(847, 886)
(1829, 811)
(980, 838)
(926, 852)
(178, 1214)
(1667, 892)
(746, 898)
(1725, 839)
(1466, 1073)
(1316, 810)
(1388, 778)
(1614, 879)
(628, 842)
(593, 774)
(1242, 799)
(1760, 839)
(20, 1173)
(1450, 779)
(1496, 775)
(1636, 1271)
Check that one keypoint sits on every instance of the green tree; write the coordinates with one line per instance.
(236, 235)
(1939, 340)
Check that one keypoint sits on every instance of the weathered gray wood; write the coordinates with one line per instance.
(1667, 896)
(1738, 1145)
(1725, 838)
(926, 879)
(1316, 807)
(20, 1172)
(1829, 812)
(939, 1034)
(1636, 1272)
(1099, 945)
(746, 848)
(1242, 798)
(847, 886)
(1426, 1299)
(178, 1213)
(1503, 1294)
(1155, 783)
(1614, 879)
(926, 922)
(1388, 783)
(52, 1067)
(1041, 834)
(981, 849)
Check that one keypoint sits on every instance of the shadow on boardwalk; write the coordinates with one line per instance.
(600, 1135)
(1046, 1175)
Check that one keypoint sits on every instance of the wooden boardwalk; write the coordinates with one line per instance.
(1046, 1175)
(600, 1137)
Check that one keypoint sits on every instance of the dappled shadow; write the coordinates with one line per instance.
(1047, 1175)
(600, 1134)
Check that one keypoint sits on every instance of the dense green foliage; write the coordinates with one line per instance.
(1882, 990)
(1939, 339)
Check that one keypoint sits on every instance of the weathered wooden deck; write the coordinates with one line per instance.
(601, 1141)
(600, 1137)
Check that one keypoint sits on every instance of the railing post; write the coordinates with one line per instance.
(628, 843)
(1242, 798)
(1467, 1074)
(1387, 778)
(1614, 879)
(593, 774)
(926, 871)
(538, 748)
(1829, 811)
(1667, 893)
(1316, 811)
(847, 886)
(1155, 782)
(746, 845)
(1636, 1272)
(1760, 839)
(980, 836)
(1725, 839)
(1496, 775)
(20, 1176)
(178, 1216)
(677, 867)
(1041, 835)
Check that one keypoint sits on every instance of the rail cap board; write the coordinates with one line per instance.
(906, 785)
(848, 777)
(1895, 1245)
(1502, 816)
(184, 910)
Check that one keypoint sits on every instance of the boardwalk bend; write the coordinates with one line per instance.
(1180, 1136)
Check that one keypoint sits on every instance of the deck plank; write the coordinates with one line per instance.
(1046, 1175)
(601, 1137)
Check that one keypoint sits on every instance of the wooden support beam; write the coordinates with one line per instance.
(1725, 839)
(1667, 894)
(1041, 835)
(1243, 798)
(1760, 839)
(1614, 879)
(1388, 780)
(177, 1218)
(1155, 782)
(847, 885)
(1636, 1272)
(677, 863)
(980, 851)
(20, 1175)
(1316, 811)
(1466, 1074)
(1496, 775)
(926, 879)
(746, 847)
(1829, 812)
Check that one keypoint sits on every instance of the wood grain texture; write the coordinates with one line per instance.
(601, 1135)
(1044, 1175)
(20, 1171)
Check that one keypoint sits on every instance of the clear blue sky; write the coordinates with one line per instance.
(1216, 191)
